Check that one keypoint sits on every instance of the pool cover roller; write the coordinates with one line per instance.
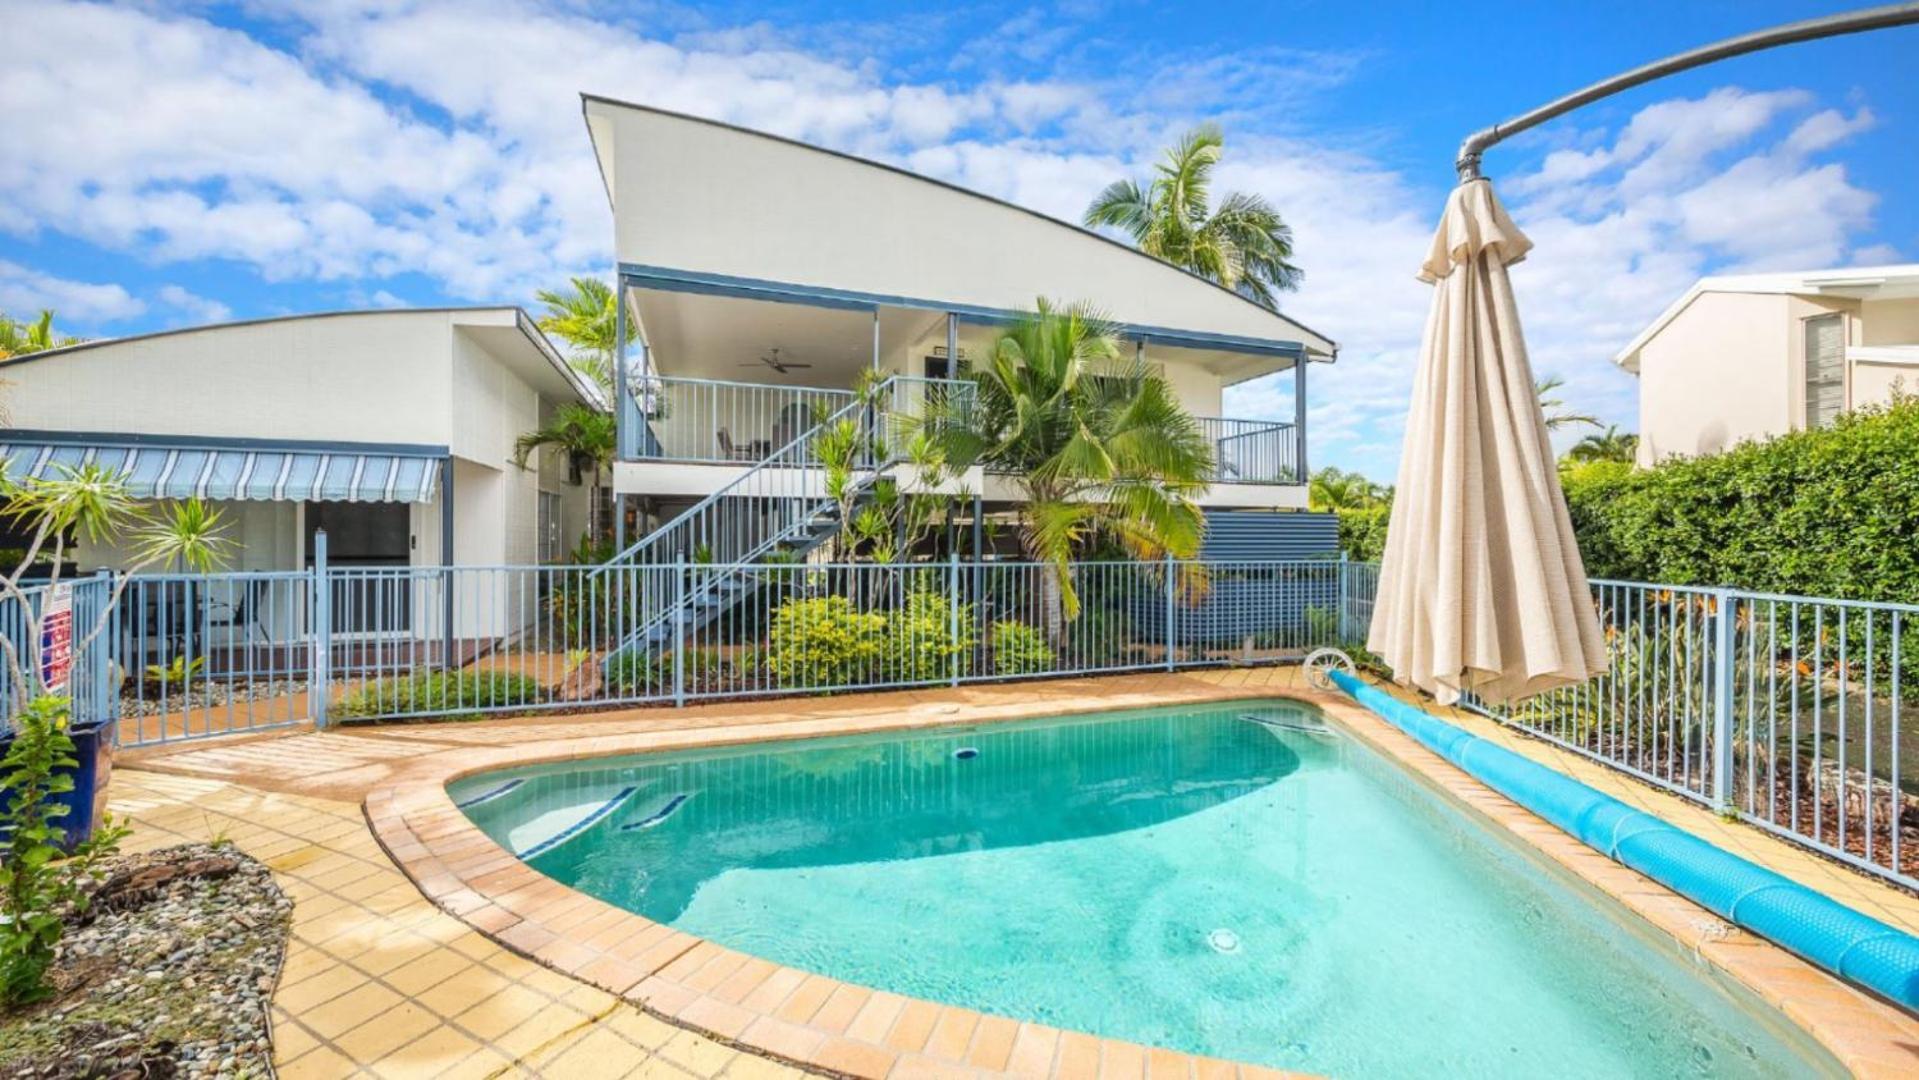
(1856, 947)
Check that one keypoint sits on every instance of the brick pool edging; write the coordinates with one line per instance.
(843, 1029)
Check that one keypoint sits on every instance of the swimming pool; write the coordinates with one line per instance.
(1242, 881)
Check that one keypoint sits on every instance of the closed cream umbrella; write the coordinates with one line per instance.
(1481, 587)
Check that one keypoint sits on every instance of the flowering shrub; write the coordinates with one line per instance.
(825, 641)
(920, 643)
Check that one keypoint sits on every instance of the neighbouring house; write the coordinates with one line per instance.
(1753, 355)
(760, 277)
(392, 430)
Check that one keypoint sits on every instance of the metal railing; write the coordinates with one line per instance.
(89, 667)
(1789, 712)
(1252, 451)
(715, 421)
(1786, 711)
(201, 655)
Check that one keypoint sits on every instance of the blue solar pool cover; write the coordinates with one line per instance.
(1854, 946)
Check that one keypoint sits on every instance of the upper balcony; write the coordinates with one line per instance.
(722, 377)
(724, 422)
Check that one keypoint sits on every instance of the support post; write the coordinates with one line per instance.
(679, 628)
(1171, 639)
(1722, 683)
(1299, 420)
(952, 345)
(320, 634)
(623, 405)
(446, 566)
(876, 339)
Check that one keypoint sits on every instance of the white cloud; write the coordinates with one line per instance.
(25, 292)
(195, 308)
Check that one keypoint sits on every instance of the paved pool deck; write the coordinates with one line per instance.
(496, 971)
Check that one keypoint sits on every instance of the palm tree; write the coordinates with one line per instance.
(1612, 445)
(1554, 409)
(1244, 245)
(1335, 490)
(586, 436)
(1095, 446)
(586, 317)
(20, 339)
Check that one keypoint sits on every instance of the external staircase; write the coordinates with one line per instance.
(780, 511)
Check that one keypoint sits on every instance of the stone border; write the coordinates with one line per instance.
(847, 1030)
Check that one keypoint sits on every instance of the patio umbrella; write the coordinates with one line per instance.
(1481, 587)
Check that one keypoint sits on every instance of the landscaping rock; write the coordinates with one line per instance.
(168, 974)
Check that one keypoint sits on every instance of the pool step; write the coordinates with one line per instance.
(658, 817)
(490, 794)
(549, 830)
(1323, 731)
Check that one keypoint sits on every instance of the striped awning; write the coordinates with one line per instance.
(181, 472)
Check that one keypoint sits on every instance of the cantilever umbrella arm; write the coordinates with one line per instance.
(1851, 22)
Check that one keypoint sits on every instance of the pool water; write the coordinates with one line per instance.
(1242, 881)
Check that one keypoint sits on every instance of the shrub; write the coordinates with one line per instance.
(1019, 649)
(438, 692)
(920, 644)
(39, 883)
(1823, 513)
(644, 673)
(824, 641)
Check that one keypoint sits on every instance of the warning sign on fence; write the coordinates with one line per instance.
(56, 638)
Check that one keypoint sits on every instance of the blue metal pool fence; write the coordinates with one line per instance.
(1789, 712)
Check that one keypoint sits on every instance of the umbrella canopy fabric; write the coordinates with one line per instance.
(1481, 587)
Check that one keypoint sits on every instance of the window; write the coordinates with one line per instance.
(1825, 369)
(552, 542)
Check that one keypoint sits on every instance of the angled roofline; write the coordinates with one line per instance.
(1789, 283)
(522, 320)
(590, 98)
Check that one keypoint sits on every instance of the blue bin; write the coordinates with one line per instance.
(87, 803)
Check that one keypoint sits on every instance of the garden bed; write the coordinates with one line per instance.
(168, 973)
(139, 700)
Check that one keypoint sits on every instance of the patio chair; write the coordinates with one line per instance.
(731, 451)
(236, 611)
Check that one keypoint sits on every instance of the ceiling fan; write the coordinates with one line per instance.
(773, 361)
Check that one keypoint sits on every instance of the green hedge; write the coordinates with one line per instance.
(1833, 512)
(1362, 532)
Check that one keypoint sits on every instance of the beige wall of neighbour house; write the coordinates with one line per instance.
(1731, 366)
(1714, 376)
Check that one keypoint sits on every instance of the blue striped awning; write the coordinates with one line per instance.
(160, 472)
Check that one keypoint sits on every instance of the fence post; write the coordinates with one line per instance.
(953, 604)
(1170, 639)
(1339, 624)
(99, 665)
(679, 628)
(1722, 664)
(319, 682)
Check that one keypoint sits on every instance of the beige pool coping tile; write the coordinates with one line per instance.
(678, 1006)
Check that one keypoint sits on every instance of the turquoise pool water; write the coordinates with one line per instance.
(1271, 892)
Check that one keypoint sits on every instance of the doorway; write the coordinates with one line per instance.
(365, 538)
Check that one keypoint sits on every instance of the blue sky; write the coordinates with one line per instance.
(175, 164)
